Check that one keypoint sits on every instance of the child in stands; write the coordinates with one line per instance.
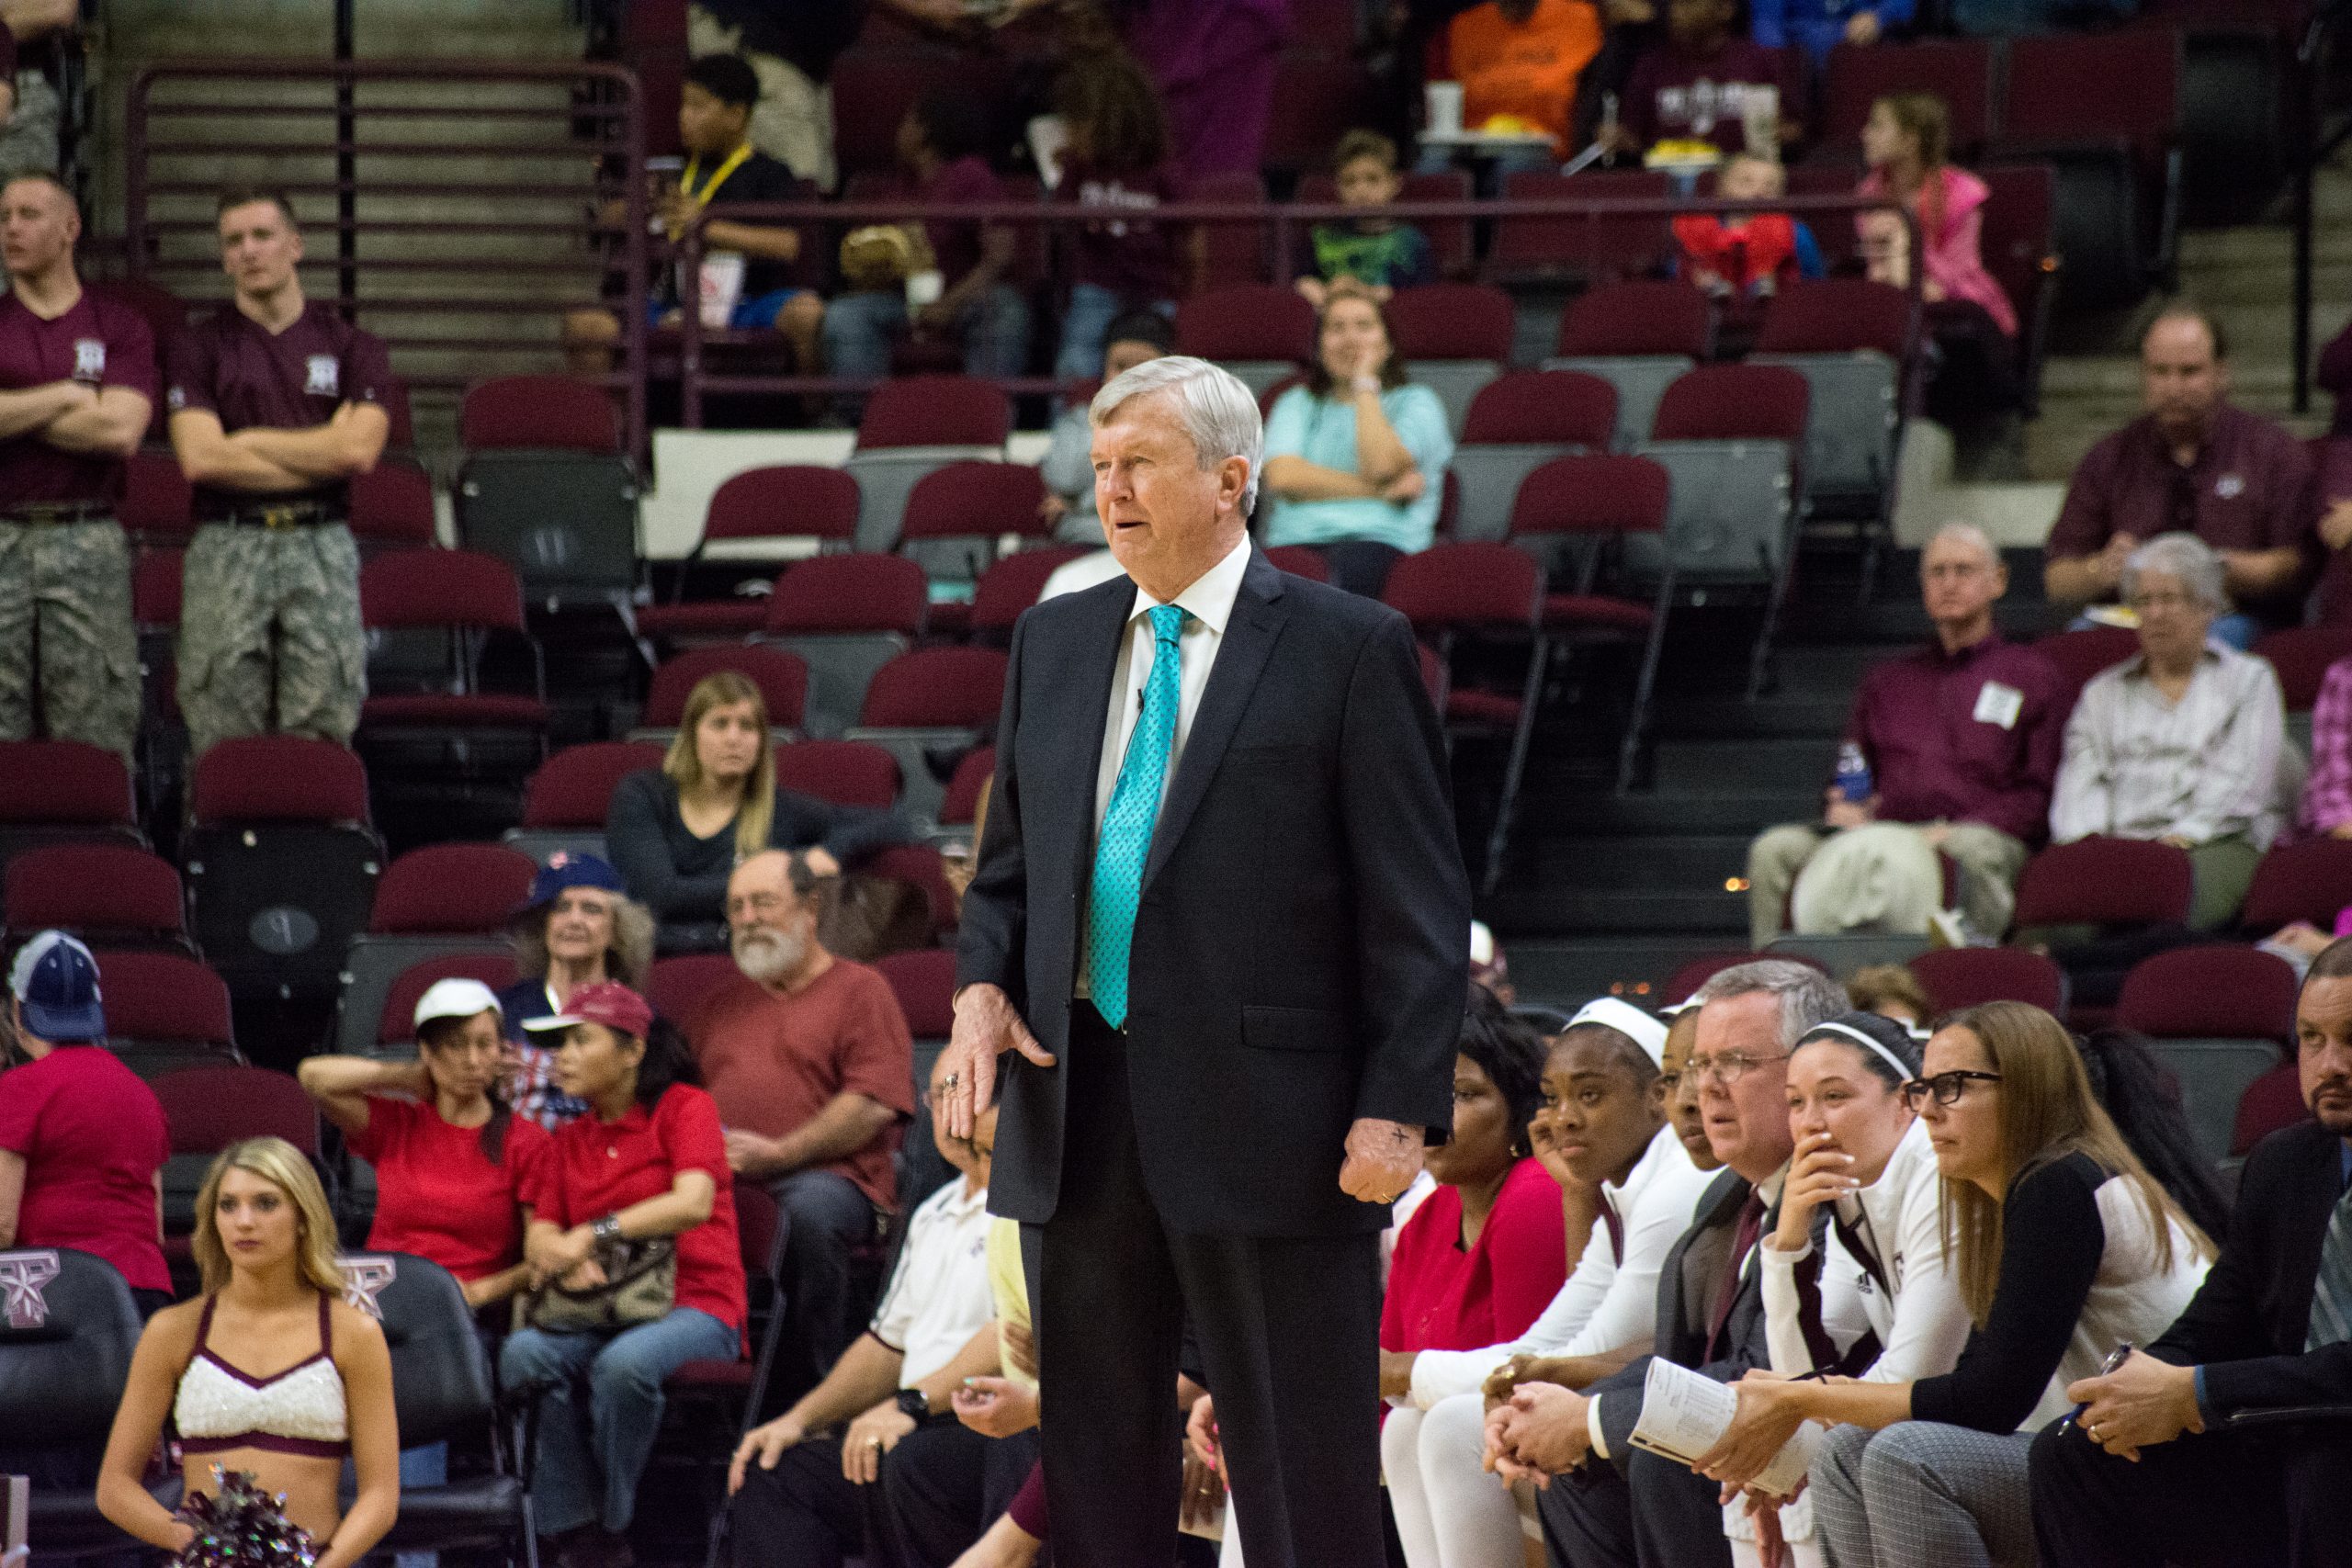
(1747, 255)
(1370, 254)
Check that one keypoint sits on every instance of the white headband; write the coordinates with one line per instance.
(1903, 1070)
(1626, 1019)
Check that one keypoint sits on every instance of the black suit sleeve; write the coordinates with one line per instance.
(994, 919)
(1412, 895)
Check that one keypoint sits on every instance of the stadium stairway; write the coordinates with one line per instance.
(1605, 892)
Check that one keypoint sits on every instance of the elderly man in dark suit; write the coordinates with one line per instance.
(2229, 1440)
(1218, 926)
(1636, 1507)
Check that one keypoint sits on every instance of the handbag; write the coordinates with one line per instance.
(640, 1286)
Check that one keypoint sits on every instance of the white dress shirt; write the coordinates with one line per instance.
(1209, 602)
(1606, 1303)
(939, 1294)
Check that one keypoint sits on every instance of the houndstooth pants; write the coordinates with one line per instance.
(1923, 1494)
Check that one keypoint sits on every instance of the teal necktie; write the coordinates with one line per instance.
(1124, 846)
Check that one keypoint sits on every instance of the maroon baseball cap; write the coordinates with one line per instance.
(609, 1003)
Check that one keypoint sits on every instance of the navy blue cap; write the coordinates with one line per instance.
(565, 869)
(56, 981)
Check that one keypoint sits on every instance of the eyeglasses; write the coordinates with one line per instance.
(1946, 1086)
(1728, 1068)
(2144, 602)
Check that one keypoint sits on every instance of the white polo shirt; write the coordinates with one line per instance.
(939, 1293)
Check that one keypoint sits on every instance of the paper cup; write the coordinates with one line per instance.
(1445, 103)
(924, 288)
(722, 288)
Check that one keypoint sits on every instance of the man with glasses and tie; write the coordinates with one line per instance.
(1217, 934)
(1628, 1505)
(2229, 1442)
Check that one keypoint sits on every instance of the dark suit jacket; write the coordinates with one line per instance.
(1299, 957)
(1692, 1268)
(2247, 1323)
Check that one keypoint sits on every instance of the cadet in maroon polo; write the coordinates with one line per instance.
(77, 388)
(276, 404)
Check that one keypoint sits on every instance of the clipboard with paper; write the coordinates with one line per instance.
(1683, 1416)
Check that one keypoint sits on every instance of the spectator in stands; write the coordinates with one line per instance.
(1778, 24)
(677, 833)
(1959, 742)
(792, 46)
(1891, 991)
(810, 1062)
(1356, 455)
(1068, 467)
(1603, 1133)
(1703, 81)
(81, 1139)
(2194, 463)
(276, 404)
(1370, 254)
(2327, 793)
(1212, 63)
(78, 386)
(1710, 1315)
(2265, 1334)
(1905, 142)
(795, 1480)
(648, 1161)
(1118, 165)
(1749, 256)
(1518, 62)
(943, 146)
(578, 929)
(2063, 1248)
(7, 82)
(2013, 18)
(1683, 1111)
(31, 112)
(452, 1163)
(2183, 742)
(715, 110)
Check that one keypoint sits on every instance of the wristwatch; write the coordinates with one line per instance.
(916, 1404)
(606, 1231)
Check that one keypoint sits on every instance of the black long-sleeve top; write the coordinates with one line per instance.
(683, 878)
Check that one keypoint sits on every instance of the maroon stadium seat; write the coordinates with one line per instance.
(847, 773)
(2302, 656)
(849, 594)
(2311, 881)
(158, 503)
(451, 890)
(1956, 977)
(1452, 320)
(2270, 1102)
(924, 983)
(1247, 321)
(2216, 990)
(2081, 654)
(397, 1023)
(1299, 560)
(975, 500)
(935, 411)
(1837, 315)
(936, 688)
(2105, 882)
(165, 998)
(1734, 402)
(468, 595)
(208, 1108)
(537, 412)
(392, 504)
(962, 803)
(781, 676)
(1013, 583)
(1597, 246)
(277, 778)
(1550, 408)
(109, 894)
(63, 782)
(785, 501)
(676, 986)
(574, 787)
(1640, 318)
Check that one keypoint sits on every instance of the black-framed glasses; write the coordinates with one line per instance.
(1946, 1086)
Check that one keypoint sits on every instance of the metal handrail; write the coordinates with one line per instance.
(1284, 218)
(615, 117)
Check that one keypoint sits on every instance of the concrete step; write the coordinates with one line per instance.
(1568, 971)
(1738, 766)
(1696, 862)
(1564, 909)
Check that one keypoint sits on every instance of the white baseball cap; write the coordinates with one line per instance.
(455, 997)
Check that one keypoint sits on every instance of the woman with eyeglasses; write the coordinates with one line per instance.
(2063, 1247)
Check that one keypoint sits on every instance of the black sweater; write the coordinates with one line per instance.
(683, 878)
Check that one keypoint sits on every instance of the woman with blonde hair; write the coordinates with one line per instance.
(676, 833)
(264, 1420)
(2063, 1248)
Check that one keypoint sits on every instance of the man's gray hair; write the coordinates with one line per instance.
(1968, 533)
(2182, 556)
(1807, 996)
(1213, 406)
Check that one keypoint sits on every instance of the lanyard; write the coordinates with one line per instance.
(718, 177)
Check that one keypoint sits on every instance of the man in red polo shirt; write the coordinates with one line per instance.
(813, 1069)
(77, 388)
(2196, 464)
(276, 404)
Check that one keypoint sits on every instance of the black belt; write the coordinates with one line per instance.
(60, 512)
(288, 514)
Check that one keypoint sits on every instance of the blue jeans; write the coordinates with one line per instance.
(830, 1216)
(602, 1450)
(426, 1466)
(1092, 309)
(860, 328)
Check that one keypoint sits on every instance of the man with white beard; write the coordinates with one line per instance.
(809, 1060)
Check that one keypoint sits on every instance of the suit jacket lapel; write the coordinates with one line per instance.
(1250, 637)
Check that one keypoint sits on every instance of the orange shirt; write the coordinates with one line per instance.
(1529, 70)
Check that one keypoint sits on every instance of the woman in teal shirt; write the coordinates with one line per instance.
(1355, 458)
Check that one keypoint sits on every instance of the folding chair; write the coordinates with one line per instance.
(63, 792)
(846, 772)
(730, 1391)
(2104, 882)
(781, 676)
(210, 1107)
(1456, 336)
(1456, 593)
(66, 1347)
(845, 616)
(545, 487)
(2308, 880)
(441, 608)
(927, 708)
(164, 1011)
(1956, 977)
(796, 501)
(1260, 331)
(566, 803)
(1519, 422)
(913, 424)
(432, 902)
(1014, 585)
(1638, 336)
(2219, 1017)
(957, 515)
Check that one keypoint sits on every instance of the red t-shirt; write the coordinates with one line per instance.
(1443, 1298)
(436, 1193)
(100, 343)
(91, 1138)
(598, 1167)
(772, 1062)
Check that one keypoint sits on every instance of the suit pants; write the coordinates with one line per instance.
(1288, 1331)
(1646, 1511)
(2212, 1500)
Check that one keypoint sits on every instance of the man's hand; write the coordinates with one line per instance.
(985, 1024)
(870, 1437)
(767, 1444)
(748, 1154)
(2141, 1404)
(2107, 566)
(1843, 813)
(995, 1407)
(821, 862)
(1540, 1434)
(1383, 1159)
(1762, 1425)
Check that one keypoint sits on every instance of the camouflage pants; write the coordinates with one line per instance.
(269, 634)
(65, 611)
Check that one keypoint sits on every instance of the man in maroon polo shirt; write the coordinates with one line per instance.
(1962, 740)
(276, 404)
(2193, 464)
(77, 388)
